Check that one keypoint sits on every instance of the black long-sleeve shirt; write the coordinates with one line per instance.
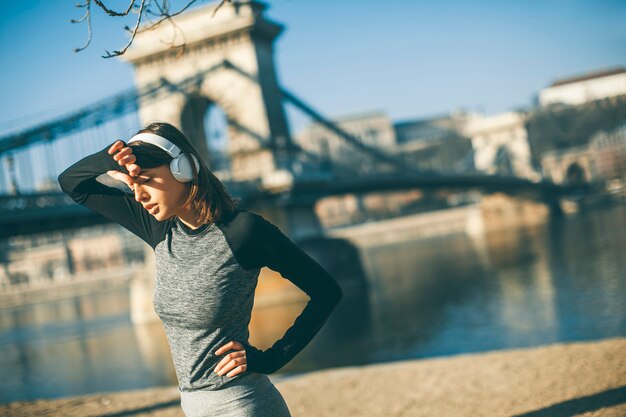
(206, 278)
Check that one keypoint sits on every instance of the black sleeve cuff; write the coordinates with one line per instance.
(258, 360)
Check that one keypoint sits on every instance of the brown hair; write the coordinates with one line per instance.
(208, 197)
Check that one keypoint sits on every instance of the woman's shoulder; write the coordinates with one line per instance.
(243, 230)
(244, 221)
(241, 224)
(242, 217)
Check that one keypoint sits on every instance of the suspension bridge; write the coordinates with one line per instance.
(238, 75)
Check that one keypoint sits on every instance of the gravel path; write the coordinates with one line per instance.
(562, 380)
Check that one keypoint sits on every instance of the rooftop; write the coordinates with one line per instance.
(589, 76)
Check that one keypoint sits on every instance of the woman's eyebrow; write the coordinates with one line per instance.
(143, 173)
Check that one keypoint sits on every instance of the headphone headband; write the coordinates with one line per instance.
(180, 166)
(159, 141)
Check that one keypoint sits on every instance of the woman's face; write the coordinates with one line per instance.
(159, 192)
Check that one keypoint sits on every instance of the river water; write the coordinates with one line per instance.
(561, 281)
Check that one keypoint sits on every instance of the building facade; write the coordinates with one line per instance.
(436, 143)
(602, 159)
(585, 88)
(373, 129)
(41, 260)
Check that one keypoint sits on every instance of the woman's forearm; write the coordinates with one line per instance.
(79, 179)
(268, 246)
(300, 334)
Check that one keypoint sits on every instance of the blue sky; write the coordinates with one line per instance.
(411, 59)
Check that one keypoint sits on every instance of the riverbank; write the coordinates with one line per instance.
(494, 212)
(562, 380)
(83, 284)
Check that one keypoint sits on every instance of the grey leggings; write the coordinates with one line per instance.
(252, 396)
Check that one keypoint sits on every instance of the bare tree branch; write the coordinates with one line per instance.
(88, 17)
(164, 10)
(111, 12)
(116, 53)
(167, 16)
(144, 9)
(220, 5)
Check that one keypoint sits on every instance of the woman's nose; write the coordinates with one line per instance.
(140, 194)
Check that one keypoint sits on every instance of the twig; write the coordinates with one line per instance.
(88, 17)
(167, 16)
(164, 11)
(144, 8)
(117, 53)
(111, 12)
(220, 5)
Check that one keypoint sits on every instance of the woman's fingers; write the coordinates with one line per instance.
(236, 371)
(232, 364)
(233, 344)
(133, 169)
(117, 145)
(124, 156)
(127, 160)
(122, 153)
(235, 362)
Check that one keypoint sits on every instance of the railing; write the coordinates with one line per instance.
(34, 201)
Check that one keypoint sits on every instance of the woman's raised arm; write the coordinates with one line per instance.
(79, 181)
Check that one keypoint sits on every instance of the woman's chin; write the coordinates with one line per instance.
(157, 214)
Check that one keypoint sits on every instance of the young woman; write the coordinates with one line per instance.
(208, 256)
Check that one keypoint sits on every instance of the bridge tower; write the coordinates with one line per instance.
(251, 100)
(500, 144)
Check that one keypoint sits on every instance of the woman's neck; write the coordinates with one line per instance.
(189, 219)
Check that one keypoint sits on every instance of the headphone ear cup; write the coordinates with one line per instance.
(181, 167)
(196, 163)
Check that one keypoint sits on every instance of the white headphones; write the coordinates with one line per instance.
(180, 165)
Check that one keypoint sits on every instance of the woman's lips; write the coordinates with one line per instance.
(151, 206)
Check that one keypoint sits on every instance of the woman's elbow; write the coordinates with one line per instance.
(328, 295)
(62, 181)
(68, 186)
(336, 294)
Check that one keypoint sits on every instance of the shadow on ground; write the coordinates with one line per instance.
(154, 407)
(570, 408)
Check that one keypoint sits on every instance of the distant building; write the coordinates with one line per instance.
(373, 129)
(34, 260)
(609, 153)
(458, 142)
(500, 144)
(435, 143)
(424, 130)
(585, 88)
(429, 143)
(573, 165)
(604, 158)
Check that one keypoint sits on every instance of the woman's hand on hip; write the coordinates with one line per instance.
(235, 362)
